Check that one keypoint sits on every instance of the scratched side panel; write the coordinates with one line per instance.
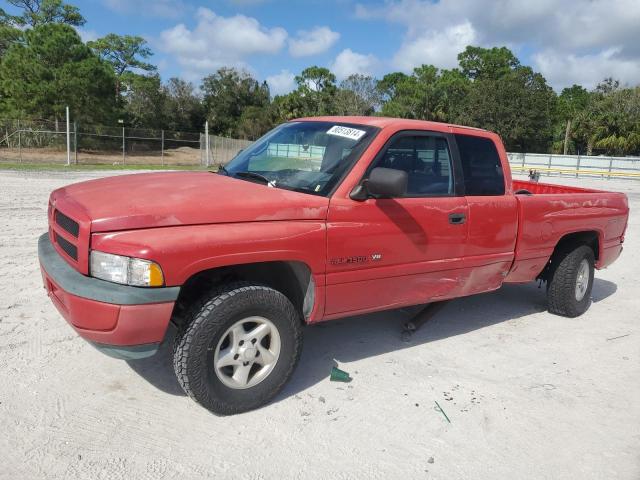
(546, 218)
(184, 251)
(391, 252)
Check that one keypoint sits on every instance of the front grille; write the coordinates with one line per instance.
(68, 224)
(68, 247)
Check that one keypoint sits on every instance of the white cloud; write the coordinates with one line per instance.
(312, 42)
(150, 8)
(87, 35)
(573, 29)
(218, 41)
(438, 48)
(281, 83)
(563, 70)
(348, 62)
(163, 65)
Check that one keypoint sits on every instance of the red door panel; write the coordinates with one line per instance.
(492, 232)
(392, 252)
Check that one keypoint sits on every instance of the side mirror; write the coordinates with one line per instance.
(383, 183)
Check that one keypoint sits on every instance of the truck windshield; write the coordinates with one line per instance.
(310, 157)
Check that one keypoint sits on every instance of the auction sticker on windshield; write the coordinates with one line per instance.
(352, 133)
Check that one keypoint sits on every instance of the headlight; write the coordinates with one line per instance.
(125, 270)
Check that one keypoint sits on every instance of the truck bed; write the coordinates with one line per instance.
(547, 213)
(548, 188)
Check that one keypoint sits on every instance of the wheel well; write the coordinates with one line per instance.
(292, 279)
(570, 242)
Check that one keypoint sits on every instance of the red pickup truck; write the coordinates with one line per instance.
(319, 219)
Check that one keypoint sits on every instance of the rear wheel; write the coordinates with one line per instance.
(239, 348)
(569, 288)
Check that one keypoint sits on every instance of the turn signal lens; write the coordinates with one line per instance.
(156, 279)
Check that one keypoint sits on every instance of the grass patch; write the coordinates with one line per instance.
(76, 168)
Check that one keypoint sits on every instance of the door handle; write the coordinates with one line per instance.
(457, 218)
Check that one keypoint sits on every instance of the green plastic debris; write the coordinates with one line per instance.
(439, 408)
(338, 375)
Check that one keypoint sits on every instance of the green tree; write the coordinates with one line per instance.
(611, 121)
(183, 109)
(453, 88)
(9, 34)
(518, 105)
(226, 94)
(316, 78)
(290, 106)
(41, 12)
(126, 55)
(357, 95)
(572, 101)
(317, 89)
(144, 102)
(607, 86)
(508, 98)
(483, 63)
(427, 94)
(53, 69)
(254, 122)
(388, 86)
(148, 103)
(413, 96)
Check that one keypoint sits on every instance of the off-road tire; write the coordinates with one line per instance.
(208, 320)
(561, 288)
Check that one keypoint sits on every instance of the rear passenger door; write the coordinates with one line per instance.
(493, 215)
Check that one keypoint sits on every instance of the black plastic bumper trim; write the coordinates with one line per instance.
(75, 283)
(127, 352)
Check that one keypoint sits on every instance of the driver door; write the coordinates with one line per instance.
(388, 253)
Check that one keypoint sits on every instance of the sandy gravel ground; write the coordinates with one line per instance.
(529, 395)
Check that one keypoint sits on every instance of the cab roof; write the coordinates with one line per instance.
(383, 122)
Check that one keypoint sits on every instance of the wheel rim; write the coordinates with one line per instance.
(582, 280)
(247, 352)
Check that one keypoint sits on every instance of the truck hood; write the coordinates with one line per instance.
(147, 200)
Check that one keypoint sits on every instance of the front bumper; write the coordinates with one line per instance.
(122, 321)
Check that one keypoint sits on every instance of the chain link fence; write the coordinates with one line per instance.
(220, 150)
(134, 146)
(32, 141)
(44, 141)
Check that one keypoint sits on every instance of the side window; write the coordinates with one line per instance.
(426, 160)
(481, 166)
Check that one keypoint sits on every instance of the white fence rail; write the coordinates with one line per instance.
(576, 165)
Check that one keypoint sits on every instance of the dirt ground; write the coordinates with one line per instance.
(172, 156)
(528, 394)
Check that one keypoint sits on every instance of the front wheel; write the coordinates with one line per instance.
(239, 348)
(569, 288)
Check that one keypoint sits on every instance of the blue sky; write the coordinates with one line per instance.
(573, 41)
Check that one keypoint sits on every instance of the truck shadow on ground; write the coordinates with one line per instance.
(351, 339)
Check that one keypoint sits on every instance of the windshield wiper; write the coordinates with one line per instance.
(297, 189)
(271, 183)
(223, 170)
(253, 175)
